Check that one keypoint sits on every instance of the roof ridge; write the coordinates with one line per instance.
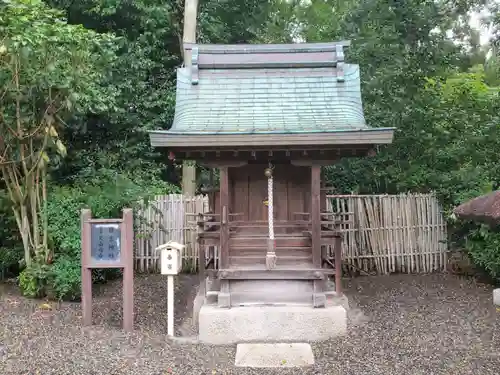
(217, 49)
(249, 56)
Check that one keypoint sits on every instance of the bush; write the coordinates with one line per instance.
(35, 280)
(66, 278)
(447, 143)
(59, 280)
(10, 259)
(106, 196)
(483, 246)
(11, 251)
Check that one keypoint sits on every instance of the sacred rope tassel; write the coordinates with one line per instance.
(271, 254)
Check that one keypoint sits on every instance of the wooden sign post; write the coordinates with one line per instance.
(108, 243)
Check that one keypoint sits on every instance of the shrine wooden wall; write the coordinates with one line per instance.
(249, 190)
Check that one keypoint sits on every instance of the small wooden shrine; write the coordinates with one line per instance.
(267, 118)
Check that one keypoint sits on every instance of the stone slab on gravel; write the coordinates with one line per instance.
(274, 355)
(496, 296)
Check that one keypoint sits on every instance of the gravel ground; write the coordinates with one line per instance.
(431, 324)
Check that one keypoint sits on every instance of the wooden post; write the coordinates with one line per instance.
(128, 269)
(189, 36)
(224, 296)
(170, 305)
(200, 222)
(224, 233)
(319, 298)
(86, 272)
(211, 194)
(338, 264)
(323, 205)
(108, 243)
(316, 214)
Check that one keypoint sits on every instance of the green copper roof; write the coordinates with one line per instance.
(268, 100)
(255, 95)
(267, 89)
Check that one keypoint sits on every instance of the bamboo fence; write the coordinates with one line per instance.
(165, 219)
(382, 233)
(392, 233)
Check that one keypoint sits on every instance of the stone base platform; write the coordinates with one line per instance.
(274, 323)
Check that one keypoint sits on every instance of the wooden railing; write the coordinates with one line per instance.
(381, 234)
(209, 237)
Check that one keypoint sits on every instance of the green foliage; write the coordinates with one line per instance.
(144, 74)
(232, 22)
(11, 251)
(445, 144)
(60, 280)
(106, 195)
(440, 95)
(483, 246)
(58, 65)
(10, 257)
(35, 279)
(66, 278)
(49, 70)
(492, 69)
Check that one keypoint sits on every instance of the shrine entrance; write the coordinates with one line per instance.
(249, 195)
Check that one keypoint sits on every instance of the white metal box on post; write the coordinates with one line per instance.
(171, 265)
(171, 258)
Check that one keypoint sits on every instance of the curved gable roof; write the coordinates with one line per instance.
(241, 93)
(268, 100)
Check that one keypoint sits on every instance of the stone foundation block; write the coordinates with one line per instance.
(285, 323)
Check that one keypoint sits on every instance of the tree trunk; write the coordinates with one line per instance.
(24, 228)
(190, 15)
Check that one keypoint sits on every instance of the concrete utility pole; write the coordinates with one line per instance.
(189, 36)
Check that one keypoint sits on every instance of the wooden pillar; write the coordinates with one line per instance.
(200, 222)
(316, 214)
(211, 194)
(319, 298)
(323, 205)
(224, 299)
(224, 203)
(338, 264)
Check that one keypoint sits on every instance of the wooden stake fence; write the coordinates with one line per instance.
(392, 233)
(162, 220)
(382, 233)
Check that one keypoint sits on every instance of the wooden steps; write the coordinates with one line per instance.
(248, 281)
(261, 250)
(283, 272)
(248, 251)
(289, 261)
(261, 241)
